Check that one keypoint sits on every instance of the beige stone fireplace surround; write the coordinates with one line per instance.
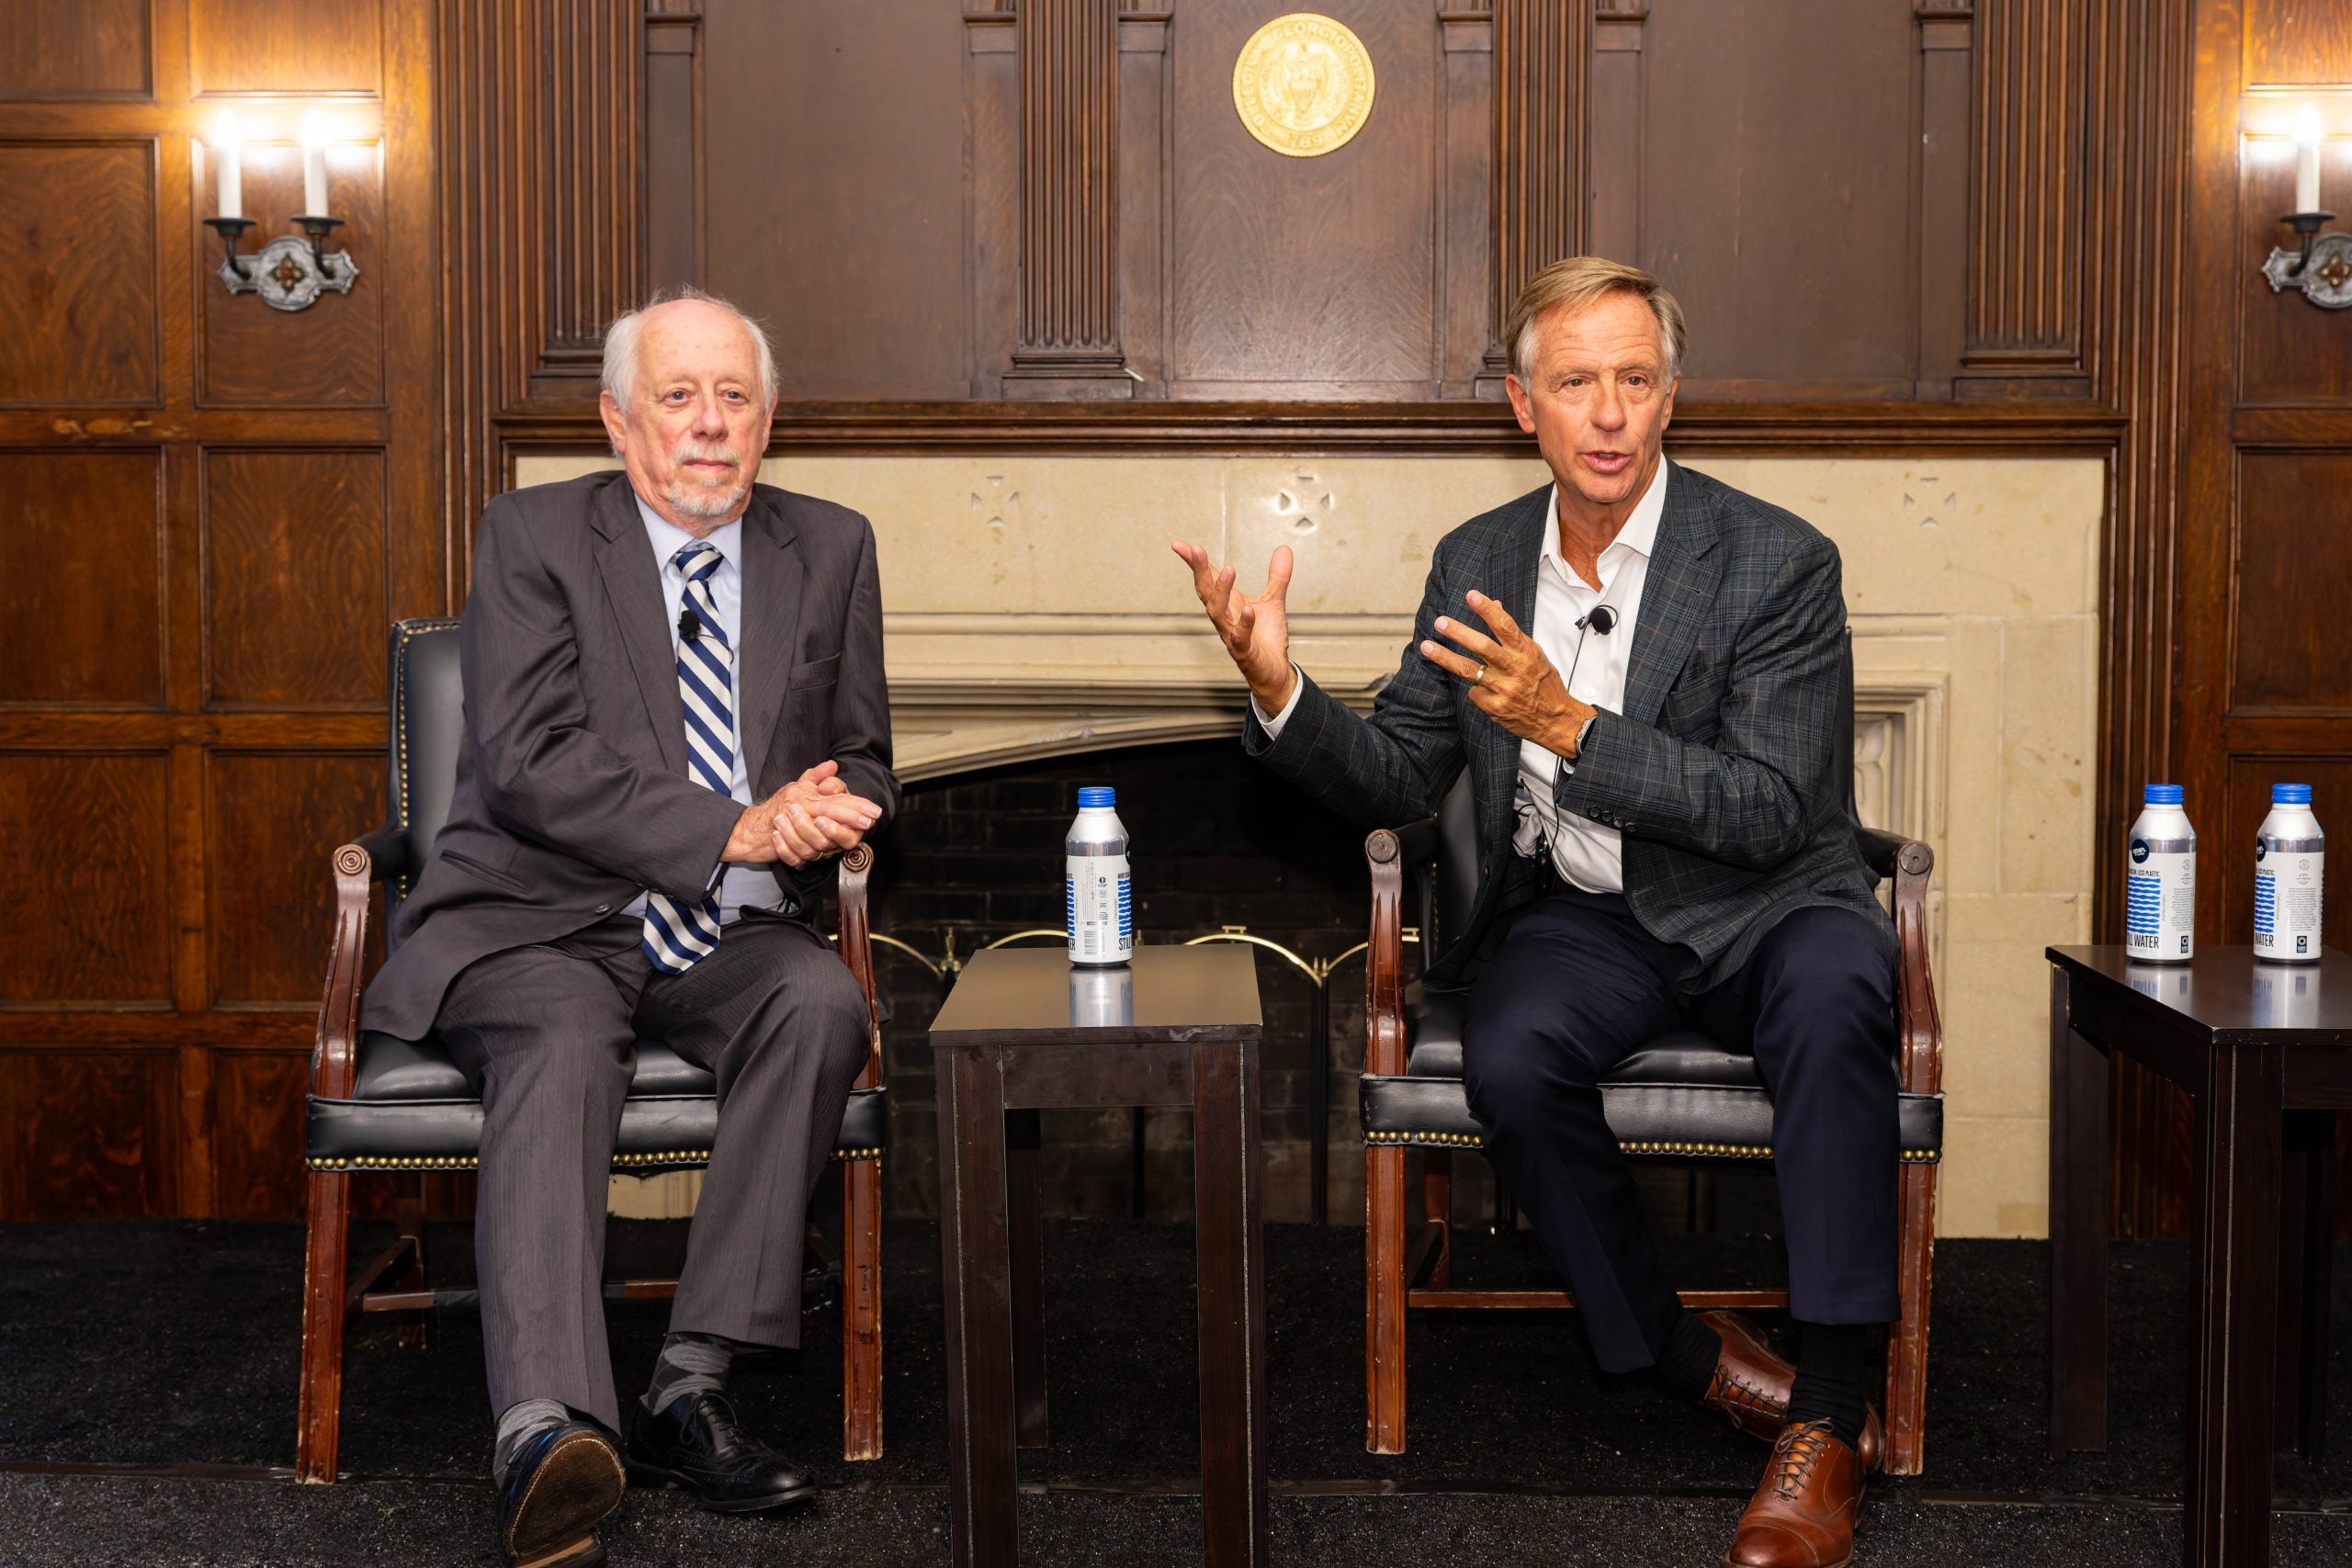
(1034, 610)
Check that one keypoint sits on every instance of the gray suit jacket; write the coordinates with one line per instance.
(1719, 773)
(571, 792)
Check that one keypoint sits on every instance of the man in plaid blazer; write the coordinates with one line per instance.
(1664, 845)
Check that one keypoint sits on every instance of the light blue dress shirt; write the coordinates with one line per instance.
(743, 884)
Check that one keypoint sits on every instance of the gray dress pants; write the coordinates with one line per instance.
(547, 1033)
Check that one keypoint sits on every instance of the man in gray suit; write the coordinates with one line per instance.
(675, 716)
(1664, 845)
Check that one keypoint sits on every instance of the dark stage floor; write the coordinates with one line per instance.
(147, 1395)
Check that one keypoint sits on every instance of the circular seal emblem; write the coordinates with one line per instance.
(2139, 851)
(1303, 84)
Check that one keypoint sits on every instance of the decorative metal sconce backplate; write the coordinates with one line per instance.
(2323, 273)
(290, 272)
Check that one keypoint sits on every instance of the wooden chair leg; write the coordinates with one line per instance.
(1437, 1209)
(408, 1213)
(1384, 1299)
(862, 1310)
(1906, 1343)
(318, 1419)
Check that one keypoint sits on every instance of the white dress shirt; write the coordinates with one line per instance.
(1587, 853)
(753, 885)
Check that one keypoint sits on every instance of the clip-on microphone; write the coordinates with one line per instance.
(1601, 618)
(689, 624)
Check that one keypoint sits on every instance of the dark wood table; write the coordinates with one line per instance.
(1024, 1031)
(2265, 1051)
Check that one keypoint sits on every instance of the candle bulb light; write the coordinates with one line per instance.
(2307, 143)
(315, 165)
(228, 167)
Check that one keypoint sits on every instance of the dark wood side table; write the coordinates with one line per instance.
(1024, 1031)
(2258, 1047)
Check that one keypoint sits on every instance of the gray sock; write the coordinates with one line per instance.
(690, 1363)
(523, 1420)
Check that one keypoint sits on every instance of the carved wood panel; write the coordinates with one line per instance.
(78, 273)
(257, 1108)
(2294, 578)
(86, 868)
(2295, 42)
(74, 49)
(2292, 353)
(294, 578)
(285, 46)
(79, 530)
(331, 354)
(88, 1133)
(274, 819)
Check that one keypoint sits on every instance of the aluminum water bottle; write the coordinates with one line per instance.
(2289, 856)
(1097, 898)
(2160, 902)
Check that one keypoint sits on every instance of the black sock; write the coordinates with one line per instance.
(690, 1363)
(1833, 1379)
(1688, 1363)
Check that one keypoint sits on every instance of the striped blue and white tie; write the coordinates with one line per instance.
(678, 935)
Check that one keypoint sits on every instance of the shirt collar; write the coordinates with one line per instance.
(668, 539)
(1638, 536)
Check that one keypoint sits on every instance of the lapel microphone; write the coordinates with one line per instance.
(1601, 618)
(690, 624)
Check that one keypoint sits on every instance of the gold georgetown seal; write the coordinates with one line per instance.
(1303, 84)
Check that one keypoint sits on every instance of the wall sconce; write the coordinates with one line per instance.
(288, 273)
(2321, 266)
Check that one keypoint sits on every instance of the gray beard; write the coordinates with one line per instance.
(697, 501)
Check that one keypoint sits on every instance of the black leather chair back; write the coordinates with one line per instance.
(1455, 893)
(428, 723)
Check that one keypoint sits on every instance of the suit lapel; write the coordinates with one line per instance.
(633, 583)
(773, 572)
(1512, 558)
(1675, 596)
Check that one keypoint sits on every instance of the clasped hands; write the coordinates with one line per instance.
(812, 816)
(1510, 678)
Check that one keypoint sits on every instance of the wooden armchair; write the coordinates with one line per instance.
(1683, 1098)
(380, 1104)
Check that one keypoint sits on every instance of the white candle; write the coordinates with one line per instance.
(229, 175)
(2307, 159)
(314, 167)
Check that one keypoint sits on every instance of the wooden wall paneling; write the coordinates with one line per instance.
(1798, 271)
(295, 599)
(2293, 580)
(331, 354)
(2247, 802)
(674, 134)
(1946, 99)
(1069, 194)
(1146, 151)
(257, 1108)
(1465, 161)
(1305, 278)
(81, 549)
(424, 556)
(1615, 89)
(2026, 275)
(274, 818)
(2297, 44)
(87, 1132)
(79, 276)
(992, 194)
(285, 46)
(86, 875)
(2291, 352)
(588, 141)
(1538, 214)
(76, 49)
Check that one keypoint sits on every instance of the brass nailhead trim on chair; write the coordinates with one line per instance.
(470, 1161)
(1635, 1146)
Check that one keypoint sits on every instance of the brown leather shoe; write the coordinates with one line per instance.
(1750, 1388)
(1803, 1512)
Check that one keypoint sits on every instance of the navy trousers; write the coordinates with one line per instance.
(1578, 986)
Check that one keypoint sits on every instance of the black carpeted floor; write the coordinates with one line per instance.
(127, 1350)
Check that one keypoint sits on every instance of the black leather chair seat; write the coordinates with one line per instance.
(1681, 1096)
(411, 1109)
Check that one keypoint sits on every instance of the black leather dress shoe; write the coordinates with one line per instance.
(695, 1445)
(560, 1487)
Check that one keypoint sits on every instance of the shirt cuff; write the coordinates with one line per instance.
(1272, 724)
(1584, 733)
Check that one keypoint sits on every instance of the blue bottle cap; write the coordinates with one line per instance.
(1096, 795)
(2290, 795)
(2161, 795)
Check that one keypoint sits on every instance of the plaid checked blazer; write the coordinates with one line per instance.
(1719, 773)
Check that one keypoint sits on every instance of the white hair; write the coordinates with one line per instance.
(620, 342)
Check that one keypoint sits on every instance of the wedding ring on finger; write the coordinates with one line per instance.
(1480, 678)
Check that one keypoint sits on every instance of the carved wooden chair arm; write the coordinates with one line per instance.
(857, 949)
(1388, 851)
(1910, 862)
